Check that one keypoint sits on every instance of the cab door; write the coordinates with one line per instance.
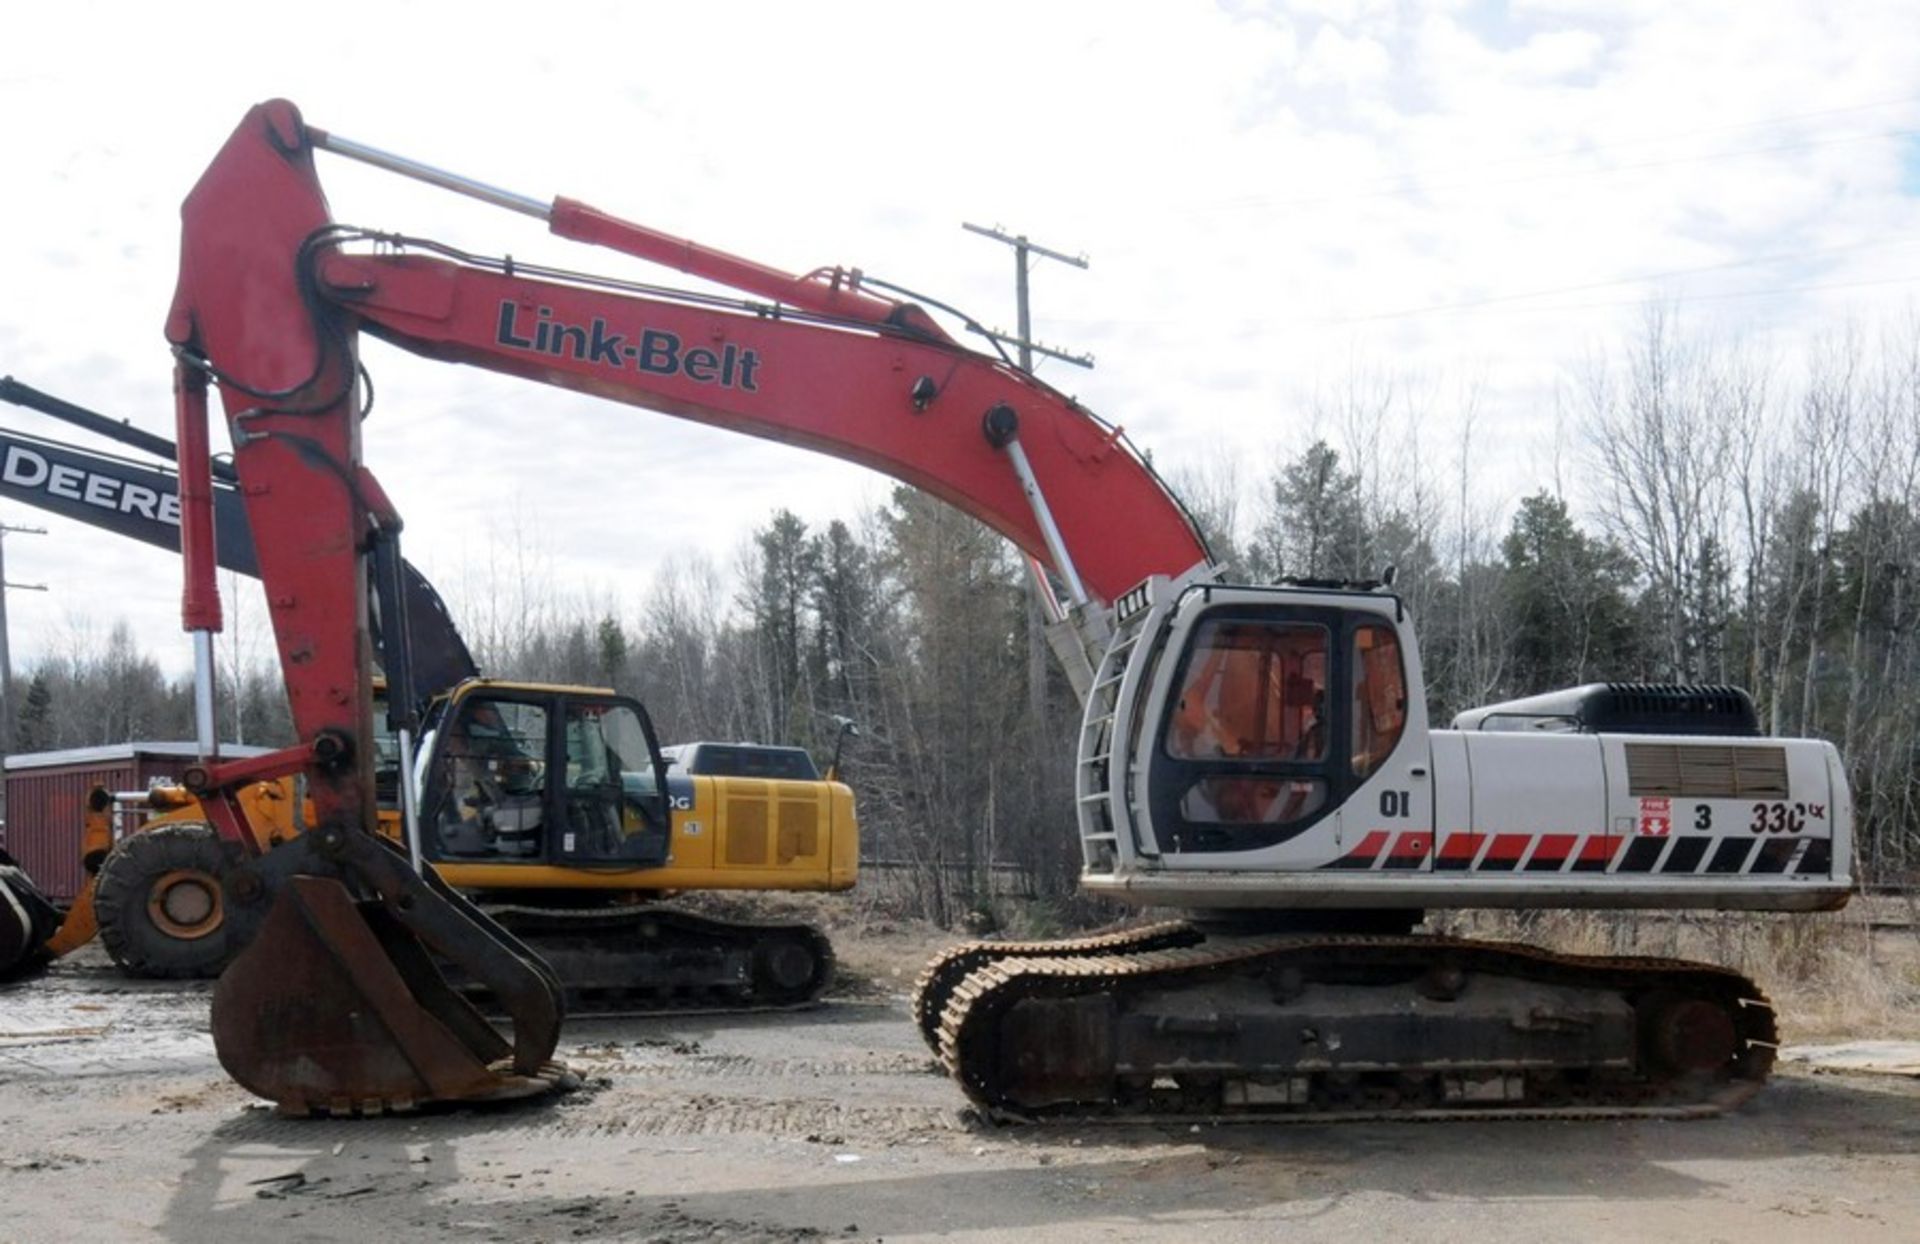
(1284, 742)
(1249, 746)
(486, 797)
(1387, 822)
(614, 807)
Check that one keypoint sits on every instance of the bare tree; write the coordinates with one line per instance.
(1212, 490)
(1660, 430)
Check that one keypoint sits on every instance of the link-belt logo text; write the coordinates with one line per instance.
(654, 351)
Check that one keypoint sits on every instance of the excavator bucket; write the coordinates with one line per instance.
(336, 1005)
(27, 921)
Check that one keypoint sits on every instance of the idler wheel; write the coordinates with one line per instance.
(1690, 1035)
(785, 964)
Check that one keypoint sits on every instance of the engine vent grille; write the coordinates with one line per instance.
(799, 830)
(1707, 770)
(747, 831)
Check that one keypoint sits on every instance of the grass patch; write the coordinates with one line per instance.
(1851, 973)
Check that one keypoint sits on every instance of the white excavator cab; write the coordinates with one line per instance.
(1254, 720)
(1268, 748)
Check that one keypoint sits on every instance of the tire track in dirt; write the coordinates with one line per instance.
(657, 1065)
(707, 1114)
(609, 1115)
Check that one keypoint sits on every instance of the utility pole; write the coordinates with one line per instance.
(6, 657)
(1022, 264)
(1039, 593)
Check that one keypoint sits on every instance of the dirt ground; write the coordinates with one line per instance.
(835, 1124)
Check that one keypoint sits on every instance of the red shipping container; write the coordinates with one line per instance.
(47, 801)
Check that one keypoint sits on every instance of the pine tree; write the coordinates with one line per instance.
(1567, 596)
(32, 731)
(612, 643)
(1313, 524)
(776, 604)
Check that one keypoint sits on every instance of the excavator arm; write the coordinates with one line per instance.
(916, 407)
(336, 1003)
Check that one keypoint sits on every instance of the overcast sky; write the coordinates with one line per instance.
(1272, 196)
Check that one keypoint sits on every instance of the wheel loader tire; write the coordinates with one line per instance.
(159, 903)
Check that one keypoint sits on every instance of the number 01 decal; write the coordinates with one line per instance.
(1396, 803)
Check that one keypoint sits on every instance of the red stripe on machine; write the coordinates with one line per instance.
(1461, 846)
(1554, 848)
(1509, 846)
(1412, 846)
(1600, 848)
(1370, 847)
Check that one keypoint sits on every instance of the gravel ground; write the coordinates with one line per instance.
(834, 1124)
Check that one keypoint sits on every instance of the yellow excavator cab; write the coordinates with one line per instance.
(527, 790)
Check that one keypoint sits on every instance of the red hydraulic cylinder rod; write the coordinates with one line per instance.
(200, 599)
(832, 292)
(836, 296)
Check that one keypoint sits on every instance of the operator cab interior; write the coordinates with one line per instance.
(534, 778)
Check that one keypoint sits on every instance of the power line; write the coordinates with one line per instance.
(1249, 329)
(1730, 295)
(1495, 301)
(1647, 279)
(1405, 190)
(1569, 153)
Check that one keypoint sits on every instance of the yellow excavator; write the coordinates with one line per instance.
(541, 856)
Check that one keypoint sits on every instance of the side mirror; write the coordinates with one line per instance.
(847, 729)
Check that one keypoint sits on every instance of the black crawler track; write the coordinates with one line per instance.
(658, 958)
(1057, 1062)
(937, 981)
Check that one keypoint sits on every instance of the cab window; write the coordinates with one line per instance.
(1253, 691)
(1379, 696)
(1253, 800)
(1253, 697)
(489, 795)
(611, 789)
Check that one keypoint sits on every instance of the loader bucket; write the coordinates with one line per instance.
(79, 928)
(336, 1006)
(27, 920)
